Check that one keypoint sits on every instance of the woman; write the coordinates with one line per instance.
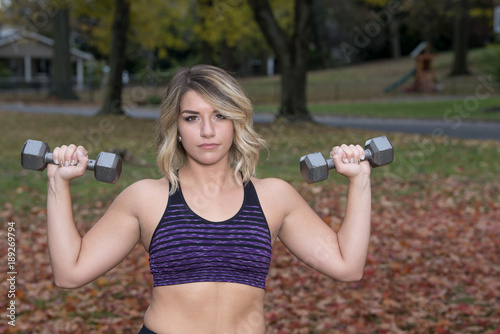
(208, 224)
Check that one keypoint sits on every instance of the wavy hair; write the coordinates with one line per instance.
(226, 95)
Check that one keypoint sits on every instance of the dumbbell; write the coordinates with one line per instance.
(36, 155)
(314, 167)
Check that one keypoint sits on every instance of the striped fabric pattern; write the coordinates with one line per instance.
(186, 248)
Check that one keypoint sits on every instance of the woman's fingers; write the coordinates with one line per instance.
(69, 156)
(66, 156)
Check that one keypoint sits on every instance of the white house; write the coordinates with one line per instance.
(29, 56)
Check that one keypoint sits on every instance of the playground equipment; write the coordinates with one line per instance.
(423, 73)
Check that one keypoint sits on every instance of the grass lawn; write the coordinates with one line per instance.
(434, 109)
(358, 90)
(285, 149)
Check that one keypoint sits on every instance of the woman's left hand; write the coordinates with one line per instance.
(348, 160)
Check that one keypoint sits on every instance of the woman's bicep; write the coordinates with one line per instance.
(311, 240)
(107, 243)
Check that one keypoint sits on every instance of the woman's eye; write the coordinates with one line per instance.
(190, 118)
(220, 116)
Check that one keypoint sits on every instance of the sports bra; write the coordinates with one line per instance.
(186, 248)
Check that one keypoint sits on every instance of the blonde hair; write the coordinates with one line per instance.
(226, 95)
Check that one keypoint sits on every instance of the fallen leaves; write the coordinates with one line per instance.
(433, 267)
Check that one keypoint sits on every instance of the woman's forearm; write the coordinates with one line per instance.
(354, 233)
(64, 241)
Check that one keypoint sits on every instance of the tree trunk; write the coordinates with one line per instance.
(395, 39)
(291, 54)
(227, 56)
(61, 85)
(461, 37)
(207, 52)
(113, 96)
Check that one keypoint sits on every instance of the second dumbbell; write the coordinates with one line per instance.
(314, 167)
(107, 167)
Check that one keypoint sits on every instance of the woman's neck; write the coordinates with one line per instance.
(196, 175)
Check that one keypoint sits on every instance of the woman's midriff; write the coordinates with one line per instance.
(206, 307)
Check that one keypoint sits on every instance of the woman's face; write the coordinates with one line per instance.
(205, 134)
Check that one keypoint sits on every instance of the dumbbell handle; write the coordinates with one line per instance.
(49, 158)
(368, 156)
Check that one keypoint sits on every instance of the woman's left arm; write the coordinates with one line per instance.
(341, 255)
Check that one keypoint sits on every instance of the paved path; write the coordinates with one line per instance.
(454, 128)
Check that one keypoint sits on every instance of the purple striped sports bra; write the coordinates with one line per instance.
(186, 248)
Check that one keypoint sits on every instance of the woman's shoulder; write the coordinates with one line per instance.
(273, 186)
(278, 198)
(149, 184)
(269, 182)
(143, 197)
(145, 189)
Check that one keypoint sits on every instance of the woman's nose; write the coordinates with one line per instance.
(207, 129)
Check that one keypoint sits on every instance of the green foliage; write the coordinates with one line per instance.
(157, 25)
(232, 21)
(490, 61)
(224, 21)
(376, 3)
(31, 16)
(163, 26)
(154, 99)
(97, 19)
(5, 72)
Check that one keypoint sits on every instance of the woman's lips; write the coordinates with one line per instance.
(208, 146)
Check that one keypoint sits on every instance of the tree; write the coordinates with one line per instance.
(142, 32)
(386, 14)
(227, 33)
(292, 54)
(461, 36)
(61, 85)
(113, 95)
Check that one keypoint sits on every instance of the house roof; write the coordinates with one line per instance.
(17, 44)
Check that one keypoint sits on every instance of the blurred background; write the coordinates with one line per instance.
(289, 54)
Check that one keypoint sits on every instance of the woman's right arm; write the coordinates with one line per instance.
(77, 261)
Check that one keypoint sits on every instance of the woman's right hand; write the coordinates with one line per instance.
(70, 162)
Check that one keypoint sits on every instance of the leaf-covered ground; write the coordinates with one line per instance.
(433, 267)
